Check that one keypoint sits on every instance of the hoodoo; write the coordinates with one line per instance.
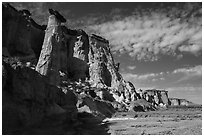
(49, 60)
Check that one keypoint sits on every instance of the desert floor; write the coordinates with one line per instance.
(173, 121)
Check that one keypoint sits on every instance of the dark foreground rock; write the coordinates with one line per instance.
(28, 99)
(141, 105)
(21, 35)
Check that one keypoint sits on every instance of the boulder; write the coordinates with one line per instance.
(141, 105)
(98, 108)
(119, 107)
(104, 94)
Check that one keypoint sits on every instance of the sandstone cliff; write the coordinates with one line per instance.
(54, 71)
(49, 60)
(60, 58)
(156, 97)
(180, 102)
(21, 36)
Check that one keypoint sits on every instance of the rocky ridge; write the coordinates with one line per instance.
(51, 70)
(180, 102)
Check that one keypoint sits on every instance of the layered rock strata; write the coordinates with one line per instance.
(156, 97)
(73, 71)
(180, 102)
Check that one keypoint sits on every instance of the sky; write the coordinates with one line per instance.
(158, 45)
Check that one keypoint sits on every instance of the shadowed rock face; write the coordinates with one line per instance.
(20, 36)
(77, 53)
(28, 99)
(97, 107)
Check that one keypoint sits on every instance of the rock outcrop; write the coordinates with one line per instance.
(28, 99)
(45, 89)
(101, 66)
(141, 105)
(104, 73)
(156, 97)
(77, 54)
(21, 36)
(49, 60)
(54, 71)
(180, 102)
(96, 107)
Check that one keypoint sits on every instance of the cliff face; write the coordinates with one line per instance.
(55, 70)
(101, 64)
(180, 102)
(28, 99)
(49, 60)
(77, 43)
(174, 101)
(66, 55)
(20, 36)
(156, 97)
(104, 73)
(34, 93)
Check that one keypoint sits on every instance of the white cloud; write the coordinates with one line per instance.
(148, 36)
(190, 76)
(162, 78)
(186, 88)
(143, 77)
(197, 70)
(131, 67)
(195, 49)
(190, 73)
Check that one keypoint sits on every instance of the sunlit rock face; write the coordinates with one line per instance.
(104, 73)
(156, 97)
(184, 102)
(21, 36)
(102, 69)
(174, 101)
(164, 97)
(180, 102)
(49, 60)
